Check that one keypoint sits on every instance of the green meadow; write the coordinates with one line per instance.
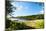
(35, 23)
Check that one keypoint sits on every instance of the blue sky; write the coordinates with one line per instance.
(27, 8)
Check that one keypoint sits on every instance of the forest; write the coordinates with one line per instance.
(32, 17)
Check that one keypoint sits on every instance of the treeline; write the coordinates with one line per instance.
(31, 17)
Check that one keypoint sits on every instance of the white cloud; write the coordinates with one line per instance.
(19, 8)
(41, 12)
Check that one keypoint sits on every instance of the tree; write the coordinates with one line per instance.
(8, 7)
(8, 11)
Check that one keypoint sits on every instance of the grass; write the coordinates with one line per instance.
(35, 23)
(38, 24)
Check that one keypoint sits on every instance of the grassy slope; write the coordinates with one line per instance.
(35, 23)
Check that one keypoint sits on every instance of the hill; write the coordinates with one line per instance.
(31, 17)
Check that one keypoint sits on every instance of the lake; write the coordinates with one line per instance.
(18, 19)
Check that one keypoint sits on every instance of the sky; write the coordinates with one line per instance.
(29, 0)
(27, 8)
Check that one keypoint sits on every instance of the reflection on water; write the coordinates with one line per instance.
(18, 19)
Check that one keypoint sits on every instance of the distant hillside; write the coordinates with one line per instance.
(30, 17)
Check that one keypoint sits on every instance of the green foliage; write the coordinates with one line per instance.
(8, 7)
(7, 23)
(8, 10)
(8, 30)
(40, 24)
(19, 26)
(32, 17)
